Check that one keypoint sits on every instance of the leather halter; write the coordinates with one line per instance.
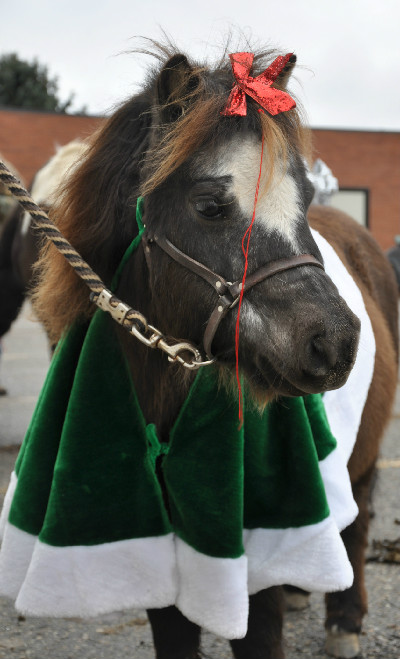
(228, 292)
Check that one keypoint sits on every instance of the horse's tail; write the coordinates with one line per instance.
(12, 291)
(393, 254)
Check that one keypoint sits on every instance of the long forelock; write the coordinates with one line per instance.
(201, 123)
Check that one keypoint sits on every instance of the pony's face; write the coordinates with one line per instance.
(297, 335)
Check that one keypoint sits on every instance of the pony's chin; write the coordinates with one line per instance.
(264, 391)
(266, 383)
(269, 383)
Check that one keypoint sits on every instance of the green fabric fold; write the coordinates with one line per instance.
(90, 454)
(87, 468)
(281, 478)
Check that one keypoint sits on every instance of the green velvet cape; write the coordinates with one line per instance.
(87, 530)
(88, 438)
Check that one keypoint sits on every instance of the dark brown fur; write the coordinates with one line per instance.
(12, 291)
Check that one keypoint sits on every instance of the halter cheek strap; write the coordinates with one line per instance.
(228, 292)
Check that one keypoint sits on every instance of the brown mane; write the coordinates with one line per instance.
(131, 155)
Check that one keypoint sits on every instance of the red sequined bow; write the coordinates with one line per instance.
(260, 88)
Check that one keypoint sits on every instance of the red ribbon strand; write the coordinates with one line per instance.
(245, 250)
(273, 101)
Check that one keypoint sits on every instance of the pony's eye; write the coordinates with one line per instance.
(208, 208)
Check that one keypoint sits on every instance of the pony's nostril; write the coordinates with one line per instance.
(321, 356)
(324, 354)
(322, 350)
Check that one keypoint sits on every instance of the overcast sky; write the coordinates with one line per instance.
(348, 50)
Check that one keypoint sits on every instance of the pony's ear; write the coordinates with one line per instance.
(286, 72)
(176, 82)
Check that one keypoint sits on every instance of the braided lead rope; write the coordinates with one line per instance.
(100, 295)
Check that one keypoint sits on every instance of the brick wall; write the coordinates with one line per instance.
(29, 139)
(369, 160)
(359, 159)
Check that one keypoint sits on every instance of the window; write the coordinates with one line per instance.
(352, 201)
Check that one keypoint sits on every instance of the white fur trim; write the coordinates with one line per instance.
(311, 557)
(7, 503)
(213, 591)
(338, 490)
(86, 581)
(15, 556)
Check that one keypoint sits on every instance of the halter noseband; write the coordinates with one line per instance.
(228, 292)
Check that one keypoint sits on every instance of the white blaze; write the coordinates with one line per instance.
(278, 206)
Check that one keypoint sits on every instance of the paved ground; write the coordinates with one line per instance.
(127, 635)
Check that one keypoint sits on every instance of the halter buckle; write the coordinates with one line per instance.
(235, 302)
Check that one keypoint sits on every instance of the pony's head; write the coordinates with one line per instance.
(197, 170)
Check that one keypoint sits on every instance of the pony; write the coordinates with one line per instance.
(10, 290)
(7, 203)
(20, 243)
(197, 171)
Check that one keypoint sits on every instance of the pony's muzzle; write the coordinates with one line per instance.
(327, 358)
